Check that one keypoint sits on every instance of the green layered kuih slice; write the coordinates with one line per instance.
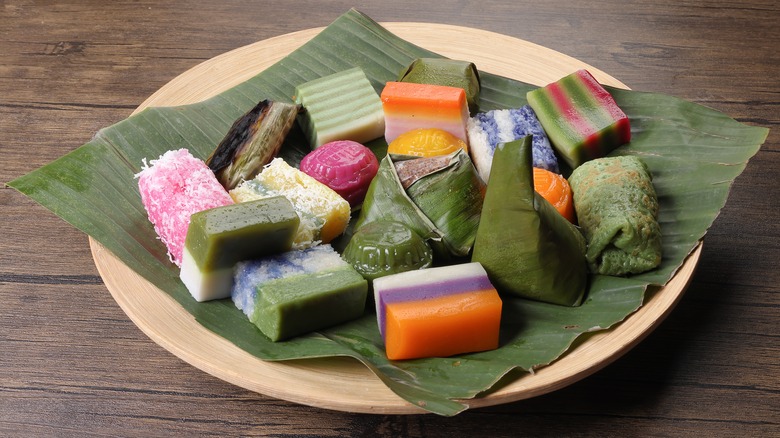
(299, 291)
(218, 238)
(341, 106)
(527, 248)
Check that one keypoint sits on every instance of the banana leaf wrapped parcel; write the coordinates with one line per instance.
(528, 248)
(617, 208)
(440, 198)
(447, 72)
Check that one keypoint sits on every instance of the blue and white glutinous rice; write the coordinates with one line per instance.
(489, 129)
(251, 274)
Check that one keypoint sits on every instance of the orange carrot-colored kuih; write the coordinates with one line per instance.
(409, 106)
(556, 190)
(437, 312)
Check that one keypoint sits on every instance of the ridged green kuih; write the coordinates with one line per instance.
(218, 238)
(527, 248)
(447, 72)
(617, 208)
(383, 248)
(341, 106)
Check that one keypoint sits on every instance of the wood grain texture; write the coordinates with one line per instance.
(73, 364)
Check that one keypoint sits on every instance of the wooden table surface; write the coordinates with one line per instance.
(73, 364)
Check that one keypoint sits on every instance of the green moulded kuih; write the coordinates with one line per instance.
(528, 249)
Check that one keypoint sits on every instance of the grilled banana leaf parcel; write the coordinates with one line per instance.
(440, 198)
(528, 249)
(252, 142)
(617, 209)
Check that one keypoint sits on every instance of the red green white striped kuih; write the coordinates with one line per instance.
(580, 117)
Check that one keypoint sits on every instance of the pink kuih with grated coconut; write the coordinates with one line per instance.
(173, 188)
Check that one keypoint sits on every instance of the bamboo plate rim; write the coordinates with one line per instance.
(341, 383)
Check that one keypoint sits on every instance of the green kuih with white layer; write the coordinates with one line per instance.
(220, 237)
(299, 291)
(341, 106)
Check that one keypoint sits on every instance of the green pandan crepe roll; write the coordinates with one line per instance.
(528, 249)
(617, 209)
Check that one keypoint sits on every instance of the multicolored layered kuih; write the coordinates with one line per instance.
(437, 312)
(580, 117)
(409, 106)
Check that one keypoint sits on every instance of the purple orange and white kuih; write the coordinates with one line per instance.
(437, 312)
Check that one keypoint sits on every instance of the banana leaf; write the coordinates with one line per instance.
(387, 200)
(442, 205)
(693, 152)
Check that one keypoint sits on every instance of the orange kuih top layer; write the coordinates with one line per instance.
(410, 106)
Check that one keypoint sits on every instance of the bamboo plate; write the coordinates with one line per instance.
(343, 383)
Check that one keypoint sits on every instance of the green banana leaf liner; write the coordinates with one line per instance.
(387, 200)
(442, 205)
(694, 153)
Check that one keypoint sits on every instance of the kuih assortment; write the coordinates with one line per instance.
(517, 239)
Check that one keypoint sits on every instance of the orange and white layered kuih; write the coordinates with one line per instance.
(409, 106)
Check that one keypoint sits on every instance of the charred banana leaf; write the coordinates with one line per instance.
(252, 142)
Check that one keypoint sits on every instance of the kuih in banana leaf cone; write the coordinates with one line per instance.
(528, 249)
(441, 200)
